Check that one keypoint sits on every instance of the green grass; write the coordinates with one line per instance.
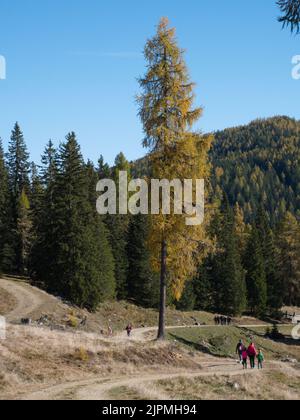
(222, 341)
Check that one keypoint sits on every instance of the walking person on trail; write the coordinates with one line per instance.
(245, 358)
(129, 330)
(252, 353)
(260, 359)
(239, 350)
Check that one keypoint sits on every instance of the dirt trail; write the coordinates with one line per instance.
(29, 299)
(98, 389)
(150, 333)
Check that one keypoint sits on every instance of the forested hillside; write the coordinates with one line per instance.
(49, 228)
(259, 163)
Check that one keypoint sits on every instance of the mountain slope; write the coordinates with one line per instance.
(259, 162)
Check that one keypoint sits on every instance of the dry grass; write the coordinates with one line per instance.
(139, 392)
(34, 357)
(7, 302)
(279, 384)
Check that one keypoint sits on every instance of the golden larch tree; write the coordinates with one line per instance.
(175, 152)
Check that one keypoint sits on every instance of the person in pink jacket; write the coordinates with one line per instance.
(245, 358)
(252, 353)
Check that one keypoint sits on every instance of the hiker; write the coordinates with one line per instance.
(110, 331)
(239, 350)
(229, 321)
(245, 358)
(260, 359)
(129, 330)
(252, 353)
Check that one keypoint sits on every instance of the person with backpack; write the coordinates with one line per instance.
(260, 359)
(245, 358)
(252, 353)
(239, 350)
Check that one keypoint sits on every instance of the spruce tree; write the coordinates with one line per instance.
(5, 217)
(103, 169)
(24, 231)
(228, 270)
(18, 164)
(81, 265)
(100, 235)
(274, 283)
(44, 247)
(290, 17)
(142, 281)
(36, 196)
(118, 228)
(256, 275)
(18, 167)
(203, 288)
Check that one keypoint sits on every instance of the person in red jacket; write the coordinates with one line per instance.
(252, 353)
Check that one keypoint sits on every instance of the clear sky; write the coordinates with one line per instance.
(73, 65)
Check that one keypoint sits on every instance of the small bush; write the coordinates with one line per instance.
(73, 321)
(274, 334)
(81, 355)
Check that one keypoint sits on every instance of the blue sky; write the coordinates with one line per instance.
(73, 65)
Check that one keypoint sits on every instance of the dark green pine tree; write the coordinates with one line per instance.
(6, 252)
(143, 283)
(203, 287)
(227, 267)
(18, 164)
(44, 247)
(79, 263)
(36, 194)
(188, 298)
(118, 229)
(24, 231)
(256, 275)
(18, 167)
(99, 233)
(103, 169)
(274, 283)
